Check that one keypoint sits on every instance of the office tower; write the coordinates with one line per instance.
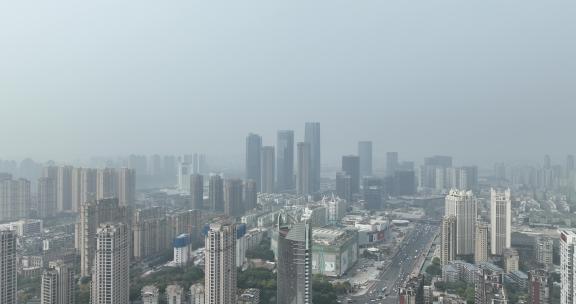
(220, 264)
(365, 154)
(285, 161)
(197, 191)
(481, 243)
(294, 261)
(233, 197)
(501, 220)
(197, 294)
(404, 183)
(462, 204)
(448, 239)
(544, 251)
(14, 199)
(64, 184)
(312, 137)
(175, 294)
(58, 284)
(111, 275)
(250, 195)
(351, 166)
(372, 192)
(150, 294)
(391, 163)
(92, 214)
(304, 173)
(149, 232)
(126, 187)
(344, 186)
(567, 242)
(511, 260)
(184, 171)
(8, 287)
(253, 148)
(538, 290)
(267, 166)
(46, 197)
(106, 183)
(216, 195)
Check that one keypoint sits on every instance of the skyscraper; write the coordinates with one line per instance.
(14, 199)
(46, 197)
(538, 290)
(569, 164)
(481, 250)
(84, 182)
(294, 261)
(372, 192)
(150, 294)
(106, 183)
(285, 161)
(253, 148)
(351, 165)
(448, 240)
(126, 188)
(197, 191)
(404, 183)
(175, 294)
(267, 167)
(111, 275)
(365, 154)
(8, 287)
(220, 264)
(501, 220)
(250, 195)
(391, 163)
(544, 252)
(304, 173)
(462, 205)
(567, 242)
(312, 137)
(233, 194)
(92, 214)
(58, 284)
(64, 197)
(149, 232)
(344, 186)
(216, 195)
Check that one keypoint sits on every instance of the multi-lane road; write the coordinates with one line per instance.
(400, 267)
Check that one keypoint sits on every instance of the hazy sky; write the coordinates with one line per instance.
(481, 80)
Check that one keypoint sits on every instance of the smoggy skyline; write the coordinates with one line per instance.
(483, 82)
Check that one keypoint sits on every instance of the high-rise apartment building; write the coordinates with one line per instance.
(46, 197)
(253, 149)
(448, 239)
(351, 166)
(481, 243)
(106, 183)
(294, 261)
(14, 199)
(111, 274)
(175, 294)
(391, 163)
(250, 195)
(538, 289)
(544, 251)
(126, 188)
(84, 181)
(462, 205)
(92, 214)
(267, 173)
(197, 294)
(567, 243)
(58, 284)
(285, 161)
(365, 154)
(304, 172)
(511, 260)
(216, 193)
(501, 220)
(8, 286)
(312, 137)
(233, 194)
(188, 222)
(150, 232)
(197, 191)
(150, 294)
(220, 264)
(64, 197)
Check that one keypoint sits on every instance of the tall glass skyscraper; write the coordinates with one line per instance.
(312, 137)
(253, 147)
(285, 160)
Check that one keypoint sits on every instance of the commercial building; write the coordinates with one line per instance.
(294, 261)
(334, 251)
(501, 220)
(312, 138)
(24, 228)
(372, 192)
(351, 166)
(253, 150)
(304, 171)
(365, 154)
(111, 275)
(285, 161)
(220, 263)
(267, 167)
(344, 186)
(391, 163)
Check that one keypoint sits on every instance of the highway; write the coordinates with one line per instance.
(400, 266)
